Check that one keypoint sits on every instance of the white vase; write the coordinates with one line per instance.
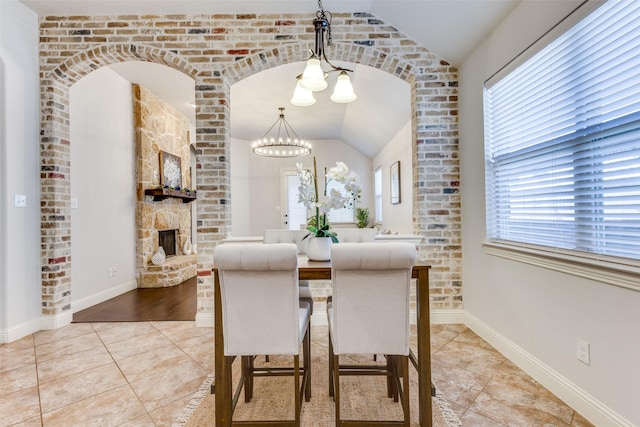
(319, 249)
(186, 249)
(159, 257)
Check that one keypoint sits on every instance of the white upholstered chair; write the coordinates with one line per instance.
(369, 314)
(355, 235)
(262, 314)
(271, 236)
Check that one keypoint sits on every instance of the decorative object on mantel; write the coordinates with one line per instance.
(314, 78)
(170, 171)
(159, 257)
(318, 225)
(186, 249)
(283, 142)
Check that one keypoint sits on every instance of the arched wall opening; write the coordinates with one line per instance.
(434, 129)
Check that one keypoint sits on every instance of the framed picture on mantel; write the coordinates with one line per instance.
(170, 170)
(395, 183)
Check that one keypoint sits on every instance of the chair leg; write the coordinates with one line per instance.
(331, 385)
(336, 389)
(247, 374)
(296, 388)
(306, 353)
(405, 390)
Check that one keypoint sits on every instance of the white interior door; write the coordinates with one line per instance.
(294, 213)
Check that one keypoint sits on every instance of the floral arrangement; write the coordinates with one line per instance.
(318, 225)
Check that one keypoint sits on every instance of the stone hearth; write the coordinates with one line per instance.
(174, 271)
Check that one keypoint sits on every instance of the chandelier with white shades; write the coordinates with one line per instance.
(314, 78)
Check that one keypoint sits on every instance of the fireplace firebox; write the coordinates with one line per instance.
(167, 240)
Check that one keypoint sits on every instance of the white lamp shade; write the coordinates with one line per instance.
(343, 91)
(302, 97)
(313, 78)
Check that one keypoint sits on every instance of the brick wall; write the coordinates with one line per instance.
(217, 51)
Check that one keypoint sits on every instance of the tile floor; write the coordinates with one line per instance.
(144, 374)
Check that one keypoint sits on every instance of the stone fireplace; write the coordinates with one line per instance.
(163, 206)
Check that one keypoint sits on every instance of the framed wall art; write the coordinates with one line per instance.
(395, 183)
(170, 170)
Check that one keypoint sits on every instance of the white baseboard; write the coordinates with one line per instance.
(99, 297)
(19, 331)
(205, 320)
(592, 409)
(56, 321)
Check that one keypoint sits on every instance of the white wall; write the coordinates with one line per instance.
(19, 172)
(397, 218)
(534, 313)
(256, 182)
(103, 229)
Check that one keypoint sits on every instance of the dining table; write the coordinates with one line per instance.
(321, 270)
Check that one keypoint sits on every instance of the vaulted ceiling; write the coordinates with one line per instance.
(450, 28)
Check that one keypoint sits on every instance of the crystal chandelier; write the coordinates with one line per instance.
(314, 78)
(281, 141)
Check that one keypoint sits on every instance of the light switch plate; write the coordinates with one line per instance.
(20, 201)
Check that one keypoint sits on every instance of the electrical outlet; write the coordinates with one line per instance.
(110, 272)
(583, 352)
(115, 271)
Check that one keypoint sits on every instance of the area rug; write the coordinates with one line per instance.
(362, 397)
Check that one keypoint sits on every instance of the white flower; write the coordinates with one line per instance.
(335, 199)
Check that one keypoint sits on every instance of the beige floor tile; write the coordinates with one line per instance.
(579, 421)
(169, 384)
(456, 384)
(473, 419)
(181, 331)
(167, 414)
(111, 408)
(516, 407)
(20, 406)
(114, 332)
(21, 344)
(150, 363)
(71, 345)
(17, 359)
(61, 334)
(70, 364)
(470, 357)
(18, 379)
(74, 388)
(137, 345)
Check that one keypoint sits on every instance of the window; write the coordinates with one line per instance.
(339, 215)
(562, 139)
(378, 194)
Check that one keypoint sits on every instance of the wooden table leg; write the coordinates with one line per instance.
(424, 347)
(222, 378)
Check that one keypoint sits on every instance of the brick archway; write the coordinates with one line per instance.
(217, 51)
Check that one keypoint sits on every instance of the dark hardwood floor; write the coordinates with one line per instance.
(149, 304)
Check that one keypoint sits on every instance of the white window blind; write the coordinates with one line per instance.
(562, 135)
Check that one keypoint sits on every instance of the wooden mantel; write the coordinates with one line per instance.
(162, 193)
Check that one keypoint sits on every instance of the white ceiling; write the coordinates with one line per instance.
(450, 28)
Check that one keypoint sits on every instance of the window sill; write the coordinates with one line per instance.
(617, 272)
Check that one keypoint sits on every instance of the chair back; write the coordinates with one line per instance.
(355, 235)
(259, 288)
(371, 293)
(287, 236)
